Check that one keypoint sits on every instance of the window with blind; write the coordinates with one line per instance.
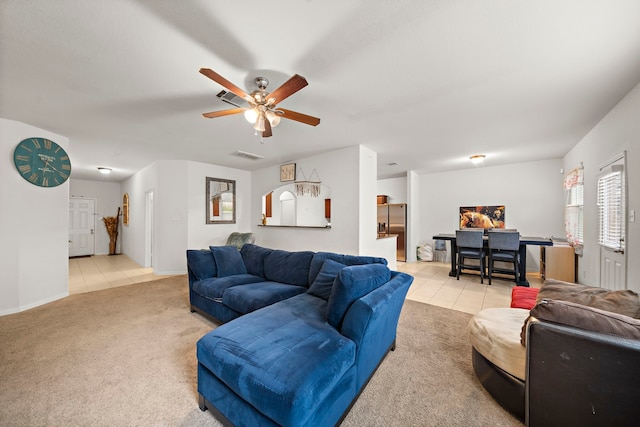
(611, 210)
(574, 207)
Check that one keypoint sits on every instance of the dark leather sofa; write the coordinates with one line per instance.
(582, 365)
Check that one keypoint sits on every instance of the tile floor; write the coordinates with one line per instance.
(87, 274)
(431, 285)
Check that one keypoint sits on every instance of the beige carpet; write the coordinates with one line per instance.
(126, 357)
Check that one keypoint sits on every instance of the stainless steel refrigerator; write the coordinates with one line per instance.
(392, 221)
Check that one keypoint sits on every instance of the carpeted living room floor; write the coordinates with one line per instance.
(126, 356)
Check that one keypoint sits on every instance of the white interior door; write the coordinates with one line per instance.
(81, 226)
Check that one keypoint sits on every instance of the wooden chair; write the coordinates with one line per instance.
(504, 246)
(470, 246)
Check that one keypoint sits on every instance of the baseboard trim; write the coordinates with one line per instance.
(35, 304)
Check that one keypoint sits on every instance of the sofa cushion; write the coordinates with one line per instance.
(319, 257)
(495, 334)
(323, 283)
(201, 263)
(253, 257)
(228, 260)
(213, 288)
(288, 267)
(625, 302)
(352, 283)
(284, 360)
(247, 298)
(584, 317)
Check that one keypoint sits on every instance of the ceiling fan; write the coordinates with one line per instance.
(262, 112)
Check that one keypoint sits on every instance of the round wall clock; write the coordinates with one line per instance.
(42, 162)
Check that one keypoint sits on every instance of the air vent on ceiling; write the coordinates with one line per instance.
(232, 98)
(246, 155)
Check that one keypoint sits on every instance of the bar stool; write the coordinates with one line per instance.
(504, 246)
(470, 246)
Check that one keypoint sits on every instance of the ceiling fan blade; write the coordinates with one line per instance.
(226, 83)
(287, 89)
(267, 129)
(222, 113)
(299, 117)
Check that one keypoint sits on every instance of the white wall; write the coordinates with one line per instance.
(413, 215)
(108, 199)
(350, 174)
(34, 223)
(531, 193)
(395, 188)
(202, 235)
(337, 170)
(617, 131)
(133, 235)
(179, 211)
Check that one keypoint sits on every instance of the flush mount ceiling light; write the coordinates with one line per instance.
(105, 171)
(477, 159)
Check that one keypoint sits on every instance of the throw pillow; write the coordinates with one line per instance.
(624, 302)
(584, 317)
(352, 283)
(228, 260)
(522, 297)
(201, 263)
(323, 284)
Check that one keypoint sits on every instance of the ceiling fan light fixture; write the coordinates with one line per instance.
(104, 171)
(273, 118)
(251, 115)
(259, 126)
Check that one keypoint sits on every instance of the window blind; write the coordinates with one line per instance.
(574, 206)
(611, 211)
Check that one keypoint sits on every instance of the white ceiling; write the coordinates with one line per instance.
(424, 83)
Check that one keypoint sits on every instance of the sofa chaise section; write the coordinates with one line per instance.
(304, 360)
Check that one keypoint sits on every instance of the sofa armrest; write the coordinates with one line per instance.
(580, 377)
(371, 322)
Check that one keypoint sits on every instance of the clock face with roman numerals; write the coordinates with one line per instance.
(42, 162)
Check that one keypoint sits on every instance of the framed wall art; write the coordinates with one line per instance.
(485, 217)
(288, 172)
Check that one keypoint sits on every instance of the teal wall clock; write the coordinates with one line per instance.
(42, 162)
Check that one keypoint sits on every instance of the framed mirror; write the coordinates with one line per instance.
(221, 201)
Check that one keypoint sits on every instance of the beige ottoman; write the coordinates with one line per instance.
(499, 359)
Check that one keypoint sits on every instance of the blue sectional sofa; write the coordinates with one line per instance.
(303, 331)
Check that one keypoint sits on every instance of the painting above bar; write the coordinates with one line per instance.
(485, 217)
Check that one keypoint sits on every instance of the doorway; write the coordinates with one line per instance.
(148, 229)
(287, 208)
(82, 225)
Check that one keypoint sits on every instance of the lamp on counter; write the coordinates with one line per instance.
(308, 186)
